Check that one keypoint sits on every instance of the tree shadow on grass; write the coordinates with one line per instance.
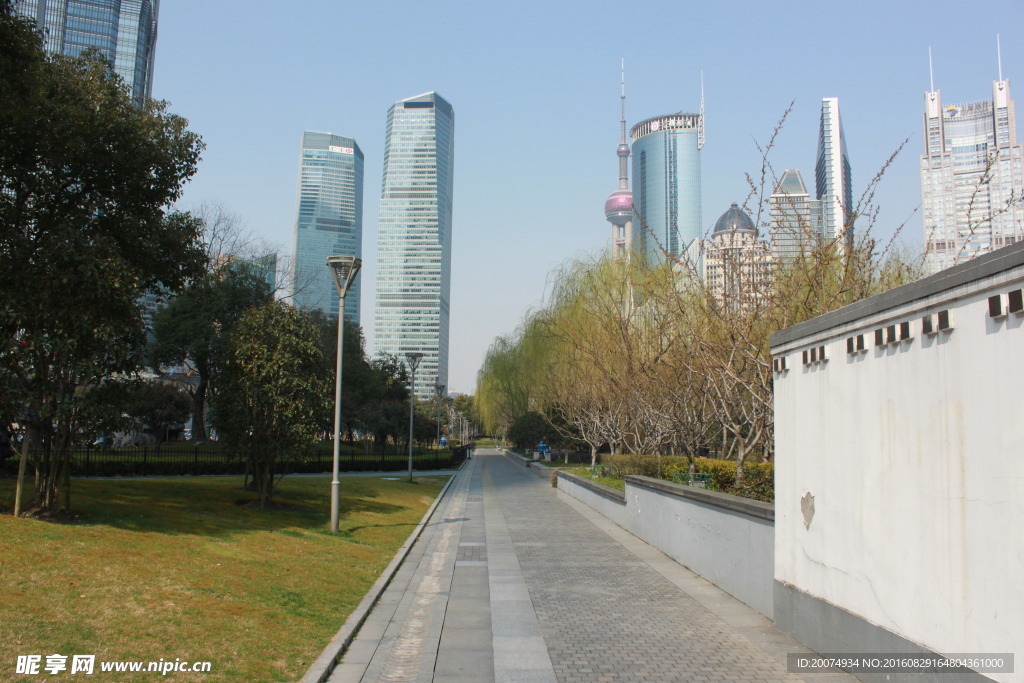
(219, 507)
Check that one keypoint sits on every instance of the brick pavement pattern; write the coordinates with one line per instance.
(605, 614)
(513, 580)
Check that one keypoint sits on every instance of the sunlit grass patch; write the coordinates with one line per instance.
(181, 567)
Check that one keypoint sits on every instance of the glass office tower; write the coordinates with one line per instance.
(832, 179)
(666, 184)
(124, 31)
(971, 180)
(329, 221)
(414, 248)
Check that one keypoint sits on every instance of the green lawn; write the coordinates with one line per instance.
(182, 568)
(613, 481)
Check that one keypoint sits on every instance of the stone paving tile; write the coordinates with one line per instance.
(521, 585)
(606, 615)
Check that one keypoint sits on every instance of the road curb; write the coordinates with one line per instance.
(328, 659)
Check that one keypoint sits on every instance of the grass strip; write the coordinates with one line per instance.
(185, 568)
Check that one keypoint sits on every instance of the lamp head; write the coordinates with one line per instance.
(414, 358)
(344, 270)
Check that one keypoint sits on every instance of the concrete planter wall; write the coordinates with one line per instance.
(726, 539)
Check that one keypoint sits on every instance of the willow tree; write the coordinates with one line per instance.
(513, 375)
(589, 325)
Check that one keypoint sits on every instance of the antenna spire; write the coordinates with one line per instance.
(700, 123)
(623, 150)
(623, 75)
(931, 73)
(999, 57)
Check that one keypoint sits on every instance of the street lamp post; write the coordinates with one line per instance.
(344, 270)
(438, 389)
(414, 358)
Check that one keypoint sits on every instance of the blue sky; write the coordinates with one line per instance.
(535, 87)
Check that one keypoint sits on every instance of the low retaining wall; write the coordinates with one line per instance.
(534, 466)
(728, 540)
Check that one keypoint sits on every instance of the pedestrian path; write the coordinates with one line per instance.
(515, 581)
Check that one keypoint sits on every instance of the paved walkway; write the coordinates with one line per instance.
(515, 581)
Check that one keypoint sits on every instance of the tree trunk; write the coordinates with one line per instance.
(199, 410)
(66, 443)
(593, 457)
(21, 472)
(263, 477)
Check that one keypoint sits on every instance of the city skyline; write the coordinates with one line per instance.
(414, 245)
(125, 34)
(328, 221)
(537, 126)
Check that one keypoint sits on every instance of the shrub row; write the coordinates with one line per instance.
(759, 477)
(128, 464)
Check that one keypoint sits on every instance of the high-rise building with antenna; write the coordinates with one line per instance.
(971, 176)
(666, 183)
(619, 207)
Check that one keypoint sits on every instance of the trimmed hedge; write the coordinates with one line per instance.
(758, 484)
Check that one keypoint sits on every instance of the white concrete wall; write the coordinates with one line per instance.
(611, 509)
(914, 456)
(731, 549)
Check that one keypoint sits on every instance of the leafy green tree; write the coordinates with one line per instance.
(86, 176)
(528, 429)
(466, 406)
(361, 383)
(386, 415)
(157, 406)
(273, 390)
(424, 429)
(192, 328)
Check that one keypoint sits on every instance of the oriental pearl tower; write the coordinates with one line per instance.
(618, 209)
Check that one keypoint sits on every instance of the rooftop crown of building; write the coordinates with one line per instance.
(734, 219)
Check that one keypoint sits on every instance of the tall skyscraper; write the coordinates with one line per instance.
(124, 31)
(796, 219)
(971, 178)
(618, 209)
(329, 220)
(666, 183)
(833, 181)
(414, 247)
(833, 184)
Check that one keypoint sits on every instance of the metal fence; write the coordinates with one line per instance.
(195, 459)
